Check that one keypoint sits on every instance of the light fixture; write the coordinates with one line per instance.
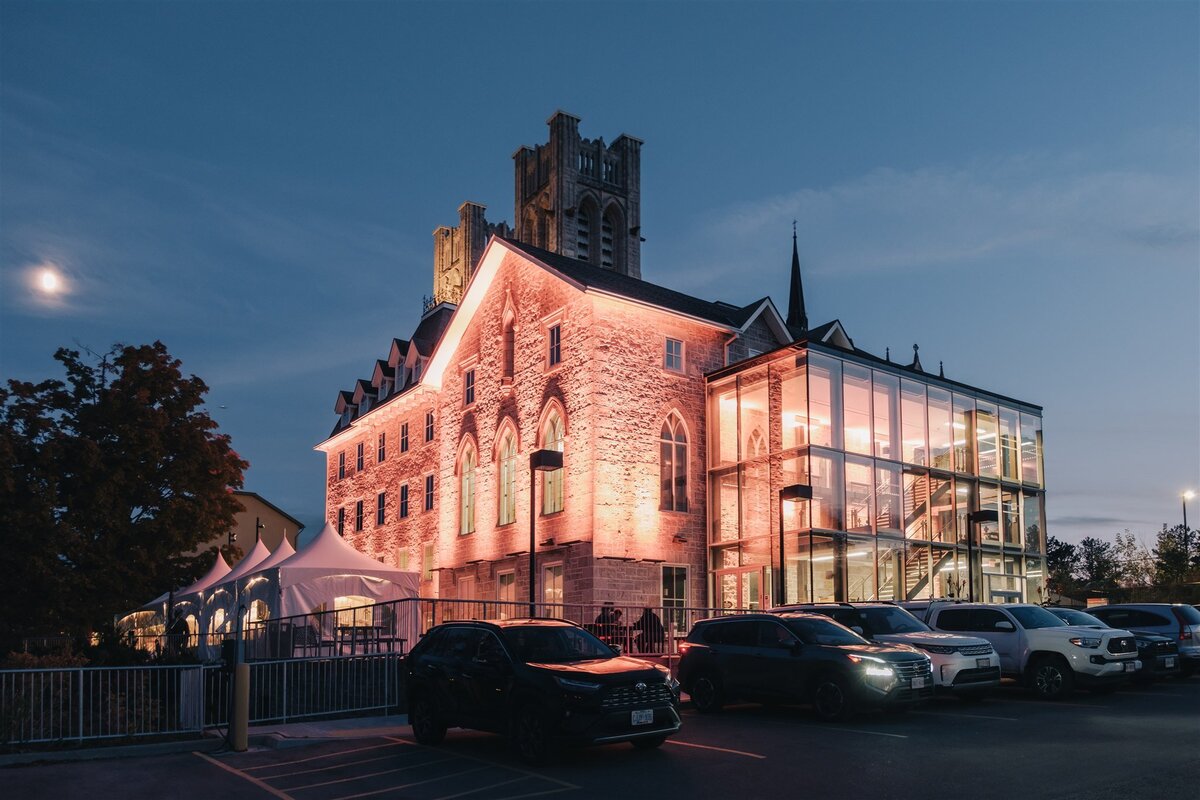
(679, 538)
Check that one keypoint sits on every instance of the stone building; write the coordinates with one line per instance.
(553, 341)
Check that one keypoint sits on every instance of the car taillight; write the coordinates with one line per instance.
(1185, 630)
(684, 647)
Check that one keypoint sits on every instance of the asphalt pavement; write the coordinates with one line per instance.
(1141, 742)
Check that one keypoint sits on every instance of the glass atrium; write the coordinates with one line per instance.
(920, 487)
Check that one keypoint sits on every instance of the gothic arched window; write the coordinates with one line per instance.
(673, 465)
(552, 434)
(508, 479)
(466, 477)
(509, 346)
(611, 240)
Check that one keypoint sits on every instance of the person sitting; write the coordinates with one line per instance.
(652, 638)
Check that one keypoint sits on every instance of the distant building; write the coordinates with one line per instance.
(680, 420)
(273, 523)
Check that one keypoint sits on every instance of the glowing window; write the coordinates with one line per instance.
(508, 479)
(552, 482)
(466, 511)
(673, 465)
(673, 357)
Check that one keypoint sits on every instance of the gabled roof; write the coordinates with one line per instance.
(397, 351)
(382, 370)
(362, 388)
(830, 333)
(430, 330)
(241, 492)
(344, 400)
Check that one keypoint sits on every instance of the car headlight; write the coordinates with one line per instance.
(576, 686)
(877, 672)
(671, 683)
(1085, 641)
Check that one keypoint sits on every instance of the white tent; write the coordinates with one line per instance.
(189, 601)
(223, 594)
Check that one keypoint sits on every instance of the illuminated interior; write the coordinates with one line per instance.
(897, 461)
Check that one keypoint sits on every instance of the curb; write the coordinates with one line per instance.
(206, 744)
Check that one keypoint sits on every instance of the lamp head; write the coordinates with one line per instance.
(1189, 494)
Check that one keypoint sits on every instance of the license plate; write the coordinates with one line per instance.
(918, 683)
(1170, 663)
(1130, 667)
(983, 662)
(642, 717)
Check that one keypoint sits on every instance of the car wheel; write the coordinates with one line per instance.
(1052, 679)
(532, 736)
(831, 698)
(649, 742)
(706, 694)
(428, 727)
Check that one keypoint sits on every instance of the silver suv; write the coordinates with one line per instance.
(966, 666)
(1180, 622)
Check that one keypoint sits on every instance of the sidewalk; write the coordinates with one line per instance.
(295, 734)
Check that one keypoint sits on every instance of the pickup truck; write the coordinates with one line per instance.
(1040, 650)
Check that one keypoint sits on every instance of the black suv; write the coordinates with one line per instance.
(798, 657)
(1158, 654)
(542, 682)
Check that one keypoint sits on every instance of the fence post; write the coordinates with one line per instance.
(285, 688)
(80, 704)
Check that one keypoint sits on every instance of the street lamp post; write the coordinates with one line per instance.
(974, 518)
(797, 491)
(1188, 495)
(539, 461)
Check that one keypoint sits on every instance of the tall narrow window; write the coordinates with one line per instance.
(673, 466)
(674, 595)
(466, 509)
(429, 426)
(403, 501)
(358, 460)
(341, 522)
(552, 584)
(606, 242)
(427, 563)
(404, 438)
(469, 387)
(583, 234)
(429, 493)
(341, 465)
(508, 480)
(552, 482)
(510, 347)
(358, 515)
(381, 448)
(555, 344)
(380, 502)
(673, 356)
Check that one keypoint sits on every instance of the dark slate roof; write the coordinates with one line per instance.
(429, 332)
(635, 289)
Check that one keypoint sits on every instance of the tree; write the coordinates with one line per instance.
(1171, 565)
(1135, 565)
(1097, 564)
(1062, 560)
(109, 482)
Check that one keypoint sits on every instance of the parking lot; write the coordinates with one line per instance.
(1144, 741)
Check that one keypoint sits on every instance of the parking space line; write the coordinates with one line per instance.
(266, 787)
(370, 775)
(483, 788)
(324, 755)
(542, 793)
(1156, 694)
(329, 767)
(493, 763)
(718, 749)
(860, 730)
(963, 716)
(408, 785)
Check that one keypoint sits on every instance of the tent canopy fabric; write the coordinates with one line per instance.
(215, 574)
(248, 564)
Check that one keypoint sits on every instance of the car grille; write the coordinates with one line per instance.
(1166, 648)
(907, 670)
(976, 650)
(1122, 644)
(628, 696)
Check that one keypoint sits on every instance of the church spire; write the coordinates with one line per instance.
(797, 318)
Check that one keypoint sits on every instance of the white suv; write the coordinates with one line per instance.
(966, 666)
(1040, 649)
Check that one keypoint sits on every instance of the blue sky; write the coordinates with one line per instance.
(1012, 185)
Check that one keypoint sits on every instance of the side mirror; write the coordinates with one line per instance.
(616, 648)
(1004, 625)
(858, 630)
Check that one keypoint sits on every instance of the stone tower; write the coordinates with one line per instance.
(581, 198)
(456, 251)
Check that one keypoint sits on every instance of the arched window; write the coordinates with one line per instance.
(612, 242)
(508, 479)
(552, 482)
(673, 465)
(466, 511)
(756, 443)
(583, 234)
(509, 344)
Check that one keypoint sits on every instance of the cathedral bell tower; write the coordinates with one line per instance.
(581, 198)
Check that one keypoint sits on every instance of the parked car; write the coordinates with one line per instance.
(1159, 655)
(966, 666)
(1039, 649)
(542, 682)
(794, 657)
(1180, 622)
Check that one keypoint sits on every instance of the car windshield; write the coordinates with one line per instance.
(554, 645)
(1073, 617)
(1035, 617)
(883, 621)
(823, 631)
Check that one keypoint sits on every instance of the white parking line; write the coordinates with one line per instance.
(491, 763)
(860, 730)
(542, 793)
(718, 749)
(266, 787)
(964, 716)
(482, 788)
(327, 768)
(407, 785)
(375, 775)
(324, 755)
(1156, 694)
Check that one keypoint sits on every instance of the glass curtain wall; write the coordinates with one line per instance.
(899, 469)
